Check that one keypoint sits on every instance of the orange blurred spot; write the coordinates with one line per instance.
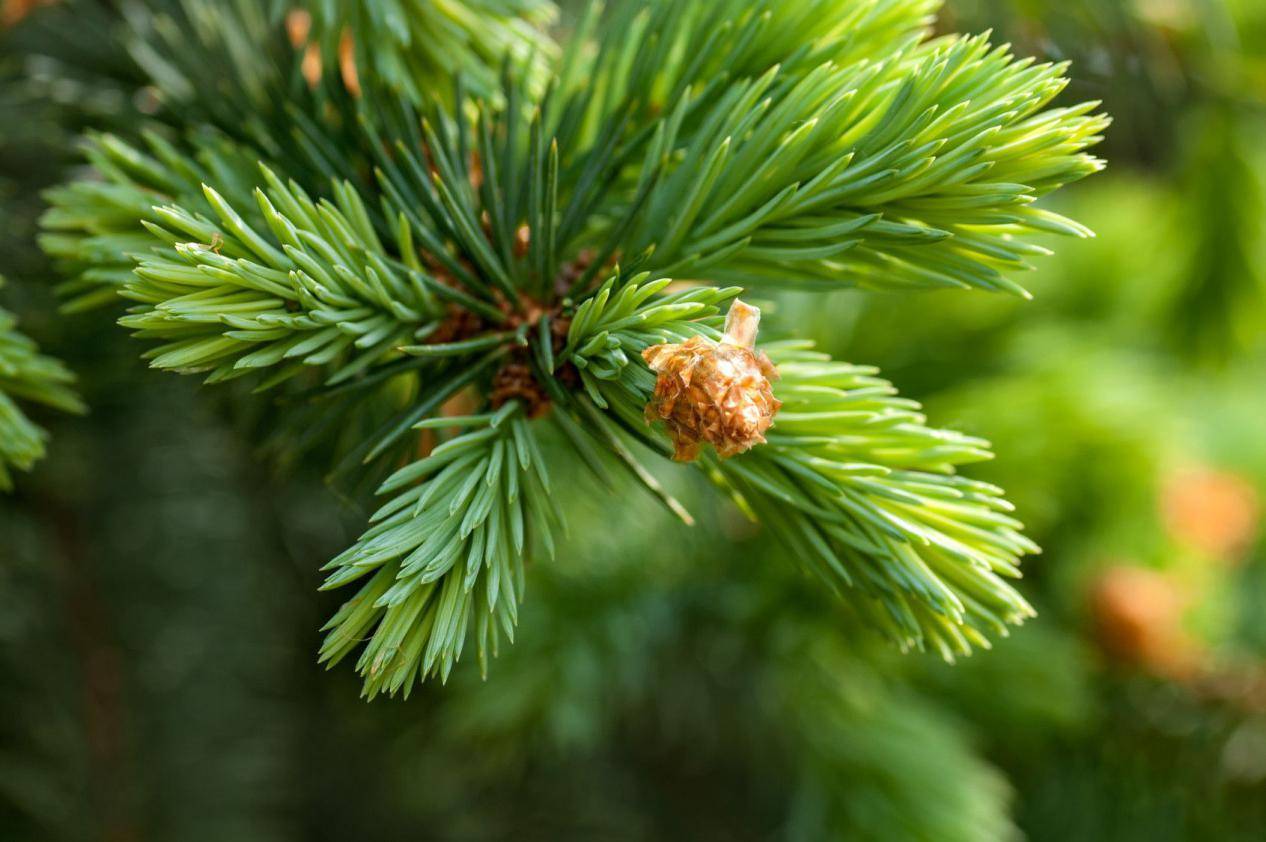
(14, 10)
(1138, 619)
(347, 63)
(1215, 512)
(298, 27)
(522, 240)
(312, 68)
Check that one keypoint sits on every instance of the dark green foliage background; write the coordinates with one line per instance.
(158, 600)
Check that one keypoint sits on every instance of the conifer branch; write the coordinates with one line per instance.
(409, 45)
(919, 171)
(444, 557)
(94, 228)
(320, 291)
(29, 376)
(852, 479)
(428, 248)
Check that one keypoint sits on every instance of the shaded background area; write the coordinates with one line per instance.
(159, 615)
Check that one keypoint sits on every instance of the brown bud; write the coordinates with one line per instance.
(714, 392)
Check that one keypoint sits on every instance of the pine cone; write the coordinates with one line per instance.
(714, 392)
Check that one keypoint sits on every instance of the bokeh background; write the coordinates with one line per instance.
(159, 615)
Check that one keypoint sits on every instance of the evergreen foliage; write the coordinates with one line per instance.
(515, 249)
(157, 592)
(28, 376)
(410, 44)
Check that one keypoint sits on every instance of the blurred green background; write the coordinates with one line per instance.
(158, 604)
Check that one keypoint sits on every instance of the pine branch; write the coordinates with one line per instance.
(284, 93)
(232, 66)
(410, 44)
(320, 291)
(94, 228)
(916, 171)
(27, 375)
(818, 144)
(244, 64)
(445, 557)
(852, 479)
(649, 55)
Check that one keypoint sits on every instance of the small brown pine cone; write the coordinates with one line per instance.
(714, 392)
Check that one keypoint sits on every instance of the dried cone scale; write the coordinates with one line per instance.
(714, 392)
